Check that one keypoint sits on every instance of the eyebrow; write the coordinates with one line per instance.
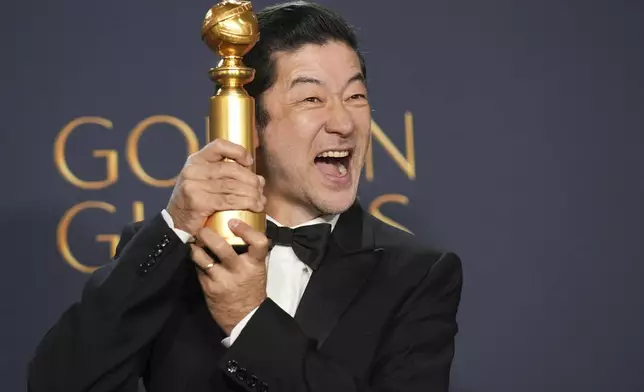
(358, 77)
(305, 80)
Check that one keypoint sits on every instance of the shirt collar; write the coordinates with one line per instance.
(330, 219)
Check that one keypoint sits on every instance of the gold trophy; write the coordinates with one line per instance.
(230, 29)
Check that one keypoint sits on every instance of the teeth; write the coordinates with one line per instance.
(342, 169)
(334, 154)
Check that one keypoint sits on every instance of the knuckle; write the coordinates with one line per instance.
(189, 171)
(217, 144)
(229, 199)
(228, 185)
(217, 245)
(240, 152)
(256, 181)
(201, 232)
(246, 203)
(252, 194)
(189, 188)
(262, 242)
(192, 157)
(257, 199)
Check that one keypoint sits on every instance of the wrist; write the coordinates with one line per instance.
(181, 221)
(242, 315)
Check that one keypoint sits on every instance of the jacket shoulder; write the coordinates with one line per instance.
(387, 236)
(405, 250)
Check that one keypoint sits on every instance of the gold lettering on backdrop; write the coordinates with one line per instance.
(374, 208)
(132, 147)
(62, 231)
(111, 161)
(112, 240)
(137, 211)
(407, 162)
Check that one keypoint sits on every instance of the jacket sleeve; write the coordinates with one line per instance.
(415, 353)
(101, 343)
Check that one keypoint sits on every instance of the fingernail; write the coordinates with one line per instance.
(233, 223)
(262, 181)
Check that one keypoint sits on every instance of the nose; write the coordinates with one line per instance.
(339, 120)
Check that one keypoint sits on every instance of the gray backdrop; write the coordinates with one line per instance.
(527, 123)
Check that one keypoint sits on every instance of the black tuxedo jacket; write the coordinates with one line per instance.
(378, 315)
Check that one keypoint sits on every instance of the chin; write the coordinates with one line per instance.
(334, 202)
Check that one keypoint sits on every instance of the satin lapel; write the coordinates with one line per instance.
(342, 274)
(331, 290)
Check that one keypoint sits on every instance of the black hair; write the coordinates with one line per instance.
(288, 27)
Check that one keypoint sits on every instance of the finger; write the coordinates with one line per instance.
(211, 202)
(223, 186)
(221, 249)
(220, 149)
(199, 171)
(229, 186)
(257, 241)
(235, 171)
(205, 264)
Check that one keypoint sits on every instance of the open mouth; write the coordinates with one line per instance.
(334, 163)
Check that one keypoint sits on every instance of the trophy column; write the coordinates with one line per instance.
(230, 29)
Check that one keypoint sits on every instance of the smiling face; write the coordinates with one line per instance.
(313, 147)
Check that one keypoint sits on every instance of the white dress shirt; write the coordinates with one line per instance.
(287, 276)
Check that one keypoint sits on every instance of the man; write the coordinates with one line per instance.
(369, 310)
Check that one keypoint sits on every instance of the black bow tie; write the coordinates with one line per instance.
(308, 242)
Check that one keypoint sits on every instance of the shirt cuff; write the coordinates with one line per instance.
(227, 342)
(185, 237)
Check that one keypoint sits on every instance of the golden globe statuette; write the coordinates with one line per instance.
(230, 29)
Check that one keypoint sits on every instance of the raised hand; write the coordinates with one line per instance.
(233, 284)
(216, 178)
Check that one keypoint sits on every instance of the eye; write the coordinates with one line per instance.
(312, 99)
(358, 96)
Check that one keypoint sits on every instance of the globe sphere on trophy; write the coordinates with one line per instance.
(230, 29)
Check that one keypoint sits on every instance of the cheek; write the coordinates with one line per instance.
(299, 136)
(288, 150)
(363, 126)
(362, 117)
(306, 124)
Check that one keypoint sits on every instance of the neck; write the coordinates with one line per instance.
(288, 213)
